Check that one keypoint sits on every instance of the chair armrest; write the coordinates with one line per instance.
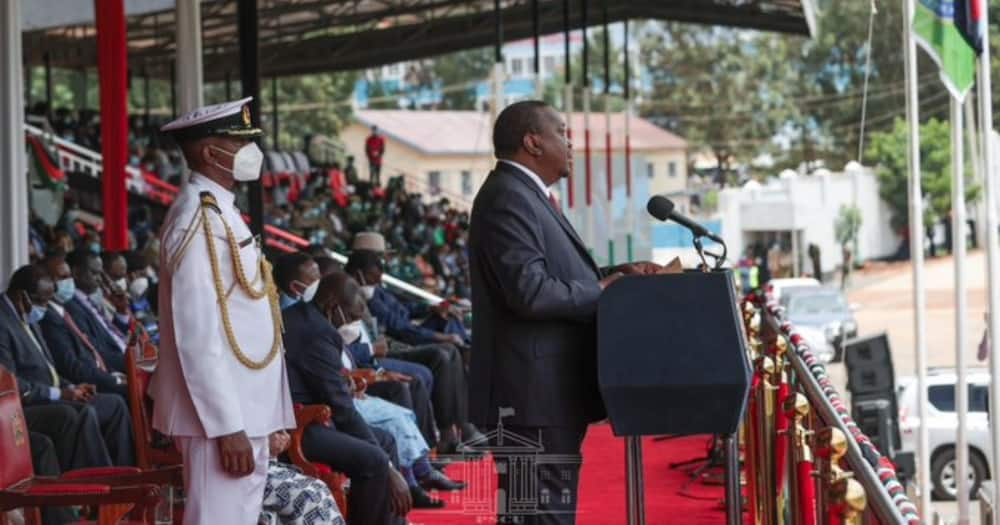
(70, 494)
(99, 472)
(306, 415)
(172, 475)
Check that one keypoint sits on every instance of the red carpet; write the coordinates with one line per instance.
(602, 486)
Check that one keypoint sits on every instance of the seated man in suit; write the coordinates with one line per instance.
(441, 321)
(76, 358)
(23, 351)
(88, 310)
(316, 376)
(297, 276)
(435, 351)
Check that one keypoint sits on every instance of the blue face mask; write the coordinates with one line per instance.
(65, 289)
(95, 247)
(36, 314)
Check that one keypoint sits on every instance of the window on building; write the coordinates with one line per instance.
(548, 64)
(672, 169)
(434, 182)
(466, 182)
(650, 170)
(516, 66)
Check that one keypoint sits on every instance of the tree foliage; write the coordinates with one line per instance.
(887, 151)
(847, 225)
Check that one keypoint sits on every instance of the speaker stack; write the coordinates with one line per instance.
(871, 380)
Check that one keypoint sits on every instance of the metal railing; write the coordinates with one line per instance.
(807, 462)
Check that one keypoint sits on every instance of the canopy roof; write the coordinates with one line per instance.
(308, 36)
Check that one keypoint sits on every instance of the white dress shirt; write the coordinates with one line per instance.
(531, 175)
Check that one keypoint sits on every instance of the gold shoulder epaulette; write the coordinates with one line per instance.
(208, 200)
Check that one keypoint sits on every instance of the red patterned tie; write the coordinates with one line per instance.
(86, 341)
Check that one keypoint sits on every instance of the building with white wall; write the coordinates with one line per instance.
(795, 211)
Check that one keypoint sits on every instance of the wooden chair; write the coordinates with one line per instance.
(306, 415)
(115, 491)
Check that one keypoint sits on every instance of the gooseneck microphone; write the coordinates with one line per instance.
(663, 209)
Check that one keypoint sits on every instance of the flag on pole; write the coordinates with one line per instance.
(935, 27)
(970, 20)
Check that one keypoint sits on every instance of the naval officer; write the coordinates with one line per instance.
(220, 387)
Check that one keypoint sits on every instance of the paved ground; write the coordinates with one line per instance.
(884, 295)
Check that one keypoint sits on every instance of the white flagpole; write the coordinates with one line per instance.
(992, 238)
(917, 256)
(958, 255)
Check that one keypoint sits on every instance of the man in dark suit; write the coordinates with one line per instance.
(349, 445)
(24, 352)
(88, 309)
(535, 290)
(76, 358)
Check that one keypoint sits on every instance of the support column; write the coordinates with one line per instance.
(246, 19)
(274, 113)
(13, 180)
(48, 86)
(189, 69)
(498, 67)
(112, 68)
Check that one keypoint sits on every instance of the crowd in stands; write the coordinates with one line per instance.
(326, 205)
(428, 240)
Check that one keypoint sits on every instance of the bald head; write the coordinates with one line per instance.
(336, 289)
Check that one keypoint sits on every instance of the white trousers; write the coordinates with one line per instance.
(214, 497)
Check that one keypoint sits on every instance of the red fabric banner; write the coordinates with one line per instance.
(112, 67)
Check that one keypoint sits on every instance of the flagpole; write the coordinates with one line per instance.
(993, 272)
(917, 256)
(958, 229)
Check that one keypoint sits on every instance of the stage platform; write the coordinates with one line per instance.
(602, 486)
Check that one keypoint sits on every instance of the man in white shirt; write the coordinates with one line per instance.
(220, 387)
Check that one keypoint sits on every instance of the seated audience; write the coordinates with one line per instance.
(297, 277)
(76, 358)
(24, 352)
(88, 310)
(315, 376)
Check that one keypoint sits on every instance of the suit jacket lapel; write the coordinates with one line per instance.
(547, 204)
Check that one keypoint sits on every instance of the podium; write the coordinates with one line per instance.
(672, 359)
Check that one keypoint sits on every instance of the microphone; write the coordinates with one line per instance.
(662, 208)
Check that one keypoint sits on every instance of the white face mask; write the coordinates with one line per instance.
(247, 162)
(368, 291)
(138, 288)
(310, 291)
(350, 332)
(121, 284)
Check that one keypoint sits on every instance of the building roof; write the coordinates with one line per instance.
(309, 36)
(470, 132)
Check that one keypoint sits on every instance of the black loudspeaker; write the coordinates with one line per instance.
(672, 355)
(869, 365)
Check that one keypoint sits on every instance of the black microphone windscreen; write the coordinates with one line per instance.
(660, 207)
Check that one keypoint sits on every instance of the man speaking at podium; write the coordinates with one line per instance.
(535, 290)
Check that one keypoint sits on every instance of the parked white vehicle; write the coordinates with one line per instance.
(942, 424)
(775, 286)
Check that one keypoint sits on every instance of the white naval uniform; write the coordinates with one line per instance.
(201, 391)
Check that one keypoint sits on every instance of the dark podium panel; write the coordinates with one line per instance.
(672, 355)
